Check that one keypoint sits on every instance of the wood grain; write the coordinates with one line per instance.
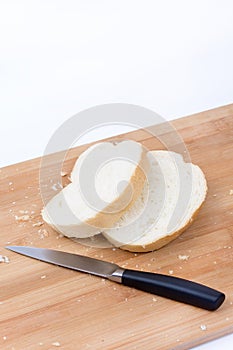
(44, 306)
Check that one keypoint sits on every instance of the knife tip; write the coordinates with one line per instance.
(10, 247)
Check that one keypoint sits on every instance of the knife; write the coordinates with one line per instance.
(171, 287)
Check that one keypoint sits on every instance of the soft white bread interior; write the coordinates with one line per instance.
(107, 179)
(170, 199)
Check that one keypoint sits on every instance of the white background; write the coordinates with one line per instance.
(60, 57)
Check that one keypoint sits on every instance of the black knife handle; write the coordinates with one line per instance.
(174, 288)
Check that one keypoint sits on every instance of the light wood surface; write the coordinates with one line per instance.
(46, 307)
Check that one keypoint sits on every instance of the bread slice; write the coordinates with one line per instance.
(106, 181)
(170, 199)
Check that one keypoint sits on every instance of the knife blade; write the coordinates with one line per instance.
(170, 287)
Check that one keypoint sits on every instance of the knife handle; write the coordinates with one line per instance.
(174, 288)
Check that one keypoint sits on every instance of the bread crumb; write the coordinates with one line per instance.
(23, 211)
(231, 192)
(56, 186)
(4, 259)
(183, 257)
(42, 277)
(56, 343)
(22, 218)
(64, 173)
(170, 272)
(39, 223)
(154, 299)
(214, 195)
(124, 265)
(43, 233)
(4, 337)
(203, 327)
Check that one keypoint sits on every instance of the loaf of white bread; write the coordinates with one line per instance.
(138, 200)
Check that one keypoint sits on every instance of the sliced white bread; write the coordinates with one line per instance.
(106, 181)
(167, 205)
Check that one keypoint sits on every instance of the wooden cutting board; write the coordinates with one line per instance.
(43, 306)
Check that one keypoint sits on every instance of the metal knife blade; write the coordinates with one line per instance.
(171, 287)
(71, 261)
